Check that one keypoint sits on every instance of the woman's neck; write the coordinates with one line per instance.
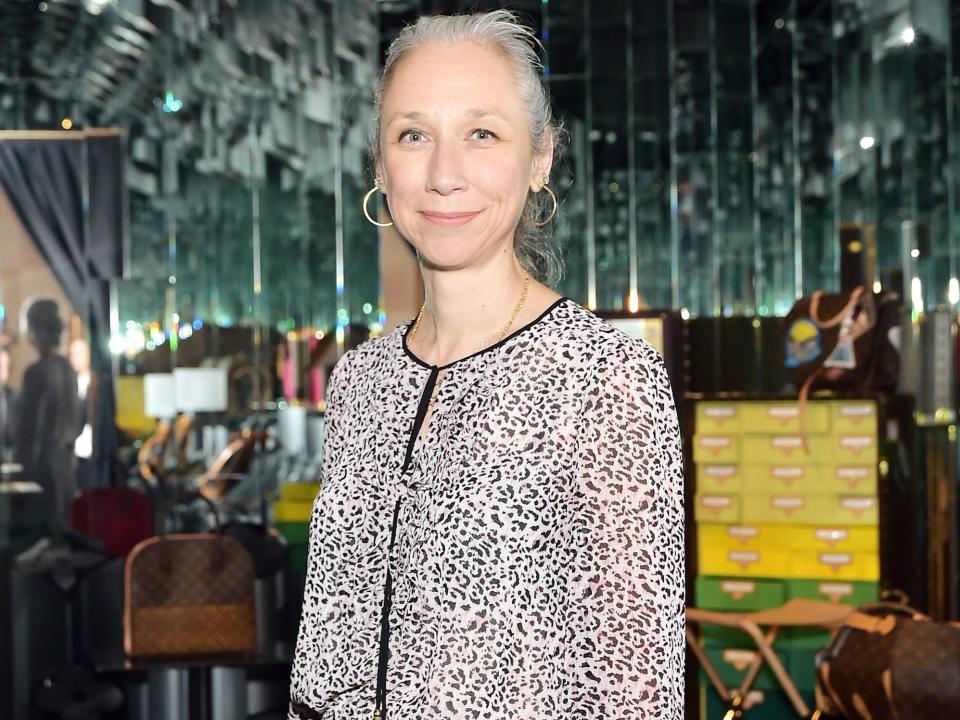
(468, 309)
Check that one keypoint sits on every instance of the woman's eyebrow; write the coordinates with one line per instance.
(411, 115)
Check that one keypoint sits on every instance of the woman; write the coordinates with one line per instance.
(499, 532)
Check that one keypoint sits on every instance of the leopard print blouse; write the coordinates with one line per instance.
(529, 545)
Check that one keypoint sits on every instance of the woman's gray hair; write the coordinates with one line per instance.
(501, 30)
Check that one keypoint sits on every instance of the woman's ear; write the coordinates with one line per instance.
(542, 164)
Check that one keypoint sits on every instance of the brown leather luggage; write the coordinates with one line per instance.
(889, 662)
(188, 595)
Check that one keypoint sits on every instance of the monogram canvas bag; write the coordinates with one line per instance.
(189, 594)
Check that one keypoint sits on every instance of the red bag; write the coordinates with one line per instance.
(120, 517)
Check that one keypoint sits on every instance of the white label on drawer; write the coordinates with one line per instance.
(856, 443)
(787, 504)
(835, 591)
(783, 412)
(740, 659)
(787, 473)
(720, 471)
(857, 505)
(716, 502)
(831, 536)
(722, 412)
(738, 589)
(854, 474)
(836, 561)
(715, 443)
(743, 532)
(787, 443)
(856, 411)
(743, 558)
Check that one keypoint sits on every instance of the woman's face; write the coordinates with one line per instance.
(456, 156)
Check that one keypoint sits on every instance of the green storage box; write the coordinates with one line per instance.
(766, 704)
(298, 559)
(295, 533)
(803, 638)
(742, 594)
(719, 636)
(802, 669)
(788, 640)
(732, 663)
(843, 591)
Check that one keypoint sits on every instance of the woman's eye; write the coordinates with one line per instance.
(482, 134)
(413, 136)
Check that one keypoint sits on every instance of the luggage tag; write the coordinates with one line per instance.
(858, 321)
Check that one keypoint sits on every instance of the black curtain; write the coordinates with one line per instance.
(68, 194)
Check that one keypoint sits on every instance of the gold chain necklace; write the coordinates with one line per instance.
(501, 336)
(503, 333)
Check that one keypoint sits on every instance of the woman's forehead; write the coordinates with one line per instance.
(462, 78)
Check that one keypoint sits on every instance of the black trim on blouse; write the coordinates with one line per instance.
(409, 352)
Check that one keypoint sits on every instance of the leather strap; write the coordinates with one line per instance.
(871, 623)
(855, 296)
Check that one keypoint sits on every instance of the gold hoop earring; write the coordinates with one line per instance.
(553, 196)
(366, 199)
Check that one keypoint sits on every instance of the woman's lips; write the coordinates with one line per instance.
(449, 219)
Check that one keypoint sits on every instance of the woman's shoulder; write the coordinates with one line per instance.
(370, 352)
(585, 333)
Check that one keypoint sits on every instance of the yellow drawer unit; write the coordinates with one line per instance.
(854, 417)
(781, 508)
(293, 510)
(787, 449)
(783, 418)
(853, 449)
(749, 537)
(834, 565)
(717, 508)
(851, 479)
(719, 418)
(716, 449)
(299, 491)
(851, 510)
(738, 562)
(719, 478)
(791, 479)
(831, 538)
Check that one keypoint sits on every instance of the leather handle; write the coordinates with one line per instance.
(217, 558)
(184, 497)
(871, 623)
(855, 296)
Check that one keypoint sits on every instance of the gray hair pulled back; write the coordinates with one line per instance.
(535, 247)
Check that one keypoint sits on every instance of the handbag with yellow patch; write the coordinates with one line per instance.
(189, 595)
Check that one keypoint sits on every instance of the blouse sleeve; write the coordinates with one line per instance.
(627, 587)
(310, 636)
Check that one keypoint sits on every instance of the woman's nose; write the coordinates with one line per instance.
(446, 172)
